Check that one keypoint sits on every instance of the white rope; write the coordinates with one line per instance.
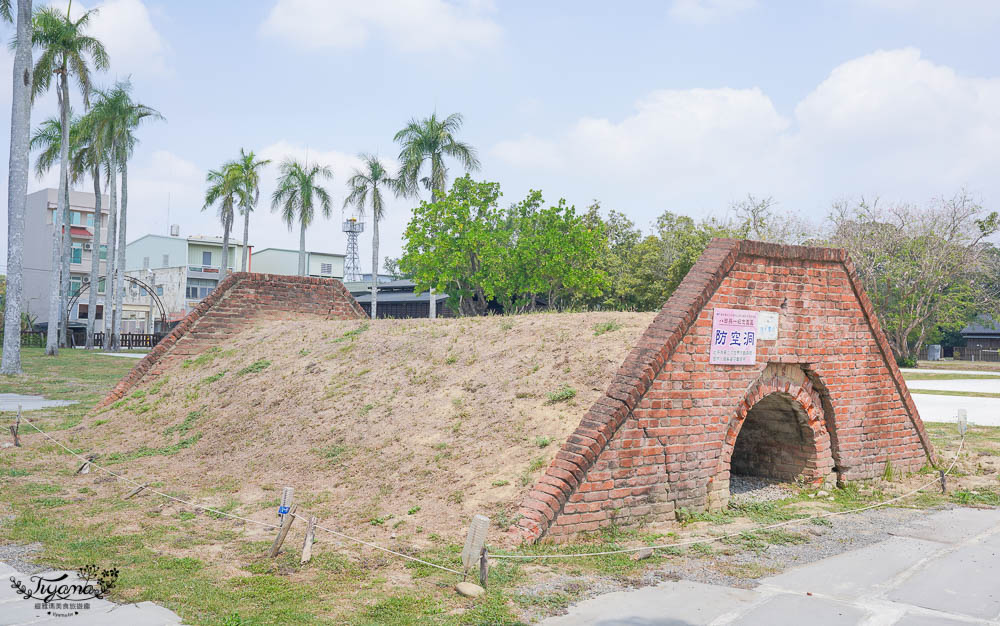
(378, 547)
(692, 542)
(230, 515)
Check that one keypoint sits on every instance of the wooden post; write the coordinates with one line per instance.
(307, 546)
(286, 523)
(484, 567)
(944, 483)
(135, 491)
(15, 427)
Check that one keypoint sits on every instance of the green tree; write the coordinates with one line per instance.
(429, 141)
(92, 155)
(454, 245)
(297, 195)
(248, 168)
(65, 52)
(925, 269)
(224, 190)
(366, 188)
(17, 181)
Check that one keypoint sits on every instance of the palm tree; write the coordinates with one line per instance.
(17, 183)
(224, 189)
(366, 187)
(90, 155)
(48, 139)
(65, 51)
(296, 196)
(430, 140)
(119, 116)
(248, 168)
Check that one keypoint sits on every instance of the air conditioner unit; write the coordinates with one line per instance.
(86, 280)
(88, 246)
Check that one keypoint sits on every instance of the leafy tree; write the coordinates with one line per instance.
(17, 182)
(391, 267)
(454, 245)
(297, 194)
(65, 51)
(91, 155)
(923, 268)
(553, 255)
(366, 187)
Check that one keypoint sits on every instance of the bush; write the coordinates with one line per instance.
(906, 361)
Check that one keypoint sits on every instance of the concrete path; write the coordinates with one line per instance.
(127, 355)
(15, 610)
(943, 570)
(980, 411)
(977, 385)
(927, 370)
(10, 402)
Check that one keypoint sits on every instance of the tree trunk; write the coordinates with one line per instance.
(120, 270)
(95, 260)
(227, 225)
(17, 190)
(64, 275)
(302, 248)
(112, 262)
(246, 228)
(58, 223)
(374, 267)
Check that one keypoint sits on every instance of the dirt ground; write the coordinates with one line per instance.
(400, 429)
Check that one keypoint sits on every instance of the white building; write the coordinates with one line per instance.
(286, 262)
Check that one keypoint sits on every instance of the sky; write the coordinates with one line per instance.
(679, 105)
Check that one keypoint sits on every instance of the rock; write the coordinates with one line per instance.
(816, 531)
(6, 444)
(822, 494)
(645, 553)
(469, 590)
(831, 498)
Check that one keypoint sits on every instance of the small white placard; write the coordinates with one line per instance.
(767, 325)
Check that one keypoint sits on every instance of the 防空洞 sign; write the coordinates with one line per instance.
(734, 337)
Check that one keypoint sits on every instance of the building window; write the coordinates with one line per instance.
(326, 268)
(166, 260)
(84, 309)
(100, 287)
(145, 262)
(159, 290)
(76, 253)
(104, 253)
(198, 288)
(206, 258)
(79, 218)
(74, 285)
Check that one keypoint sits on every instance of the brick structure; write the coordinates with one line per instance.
(825, 399)
(239, 300)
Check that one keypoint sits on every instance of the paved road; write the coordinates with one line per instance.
(943, 570)
(14, 609)
(927, 370)
(980, 411)
(10, 402)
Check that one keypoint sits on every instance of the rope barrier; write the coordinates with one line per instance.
(797, 520)
(230, 515)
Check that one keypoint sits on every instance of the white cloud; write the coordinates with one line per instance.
(705, 11)
(890, 122)
(413, 26)
(127, 32)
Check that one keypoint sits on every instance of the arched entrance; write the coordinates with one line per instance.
(778, 432)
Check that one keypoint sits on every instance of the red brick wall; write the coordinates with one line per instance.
(663, 435)
(240, 299)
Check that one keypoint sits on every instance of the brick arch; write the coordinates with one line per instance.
(793, 385)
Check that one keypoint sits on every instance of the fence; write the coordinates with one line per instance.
(132, 340)
(977, 354)
(34, 338)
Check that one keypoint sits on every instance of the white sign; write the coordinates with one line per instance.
(734, 337)
(767, 325)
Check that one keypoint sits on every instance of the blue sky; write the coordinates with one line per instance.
(683, 105)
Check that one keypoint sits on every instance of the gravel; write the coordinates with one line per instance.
(19, 557)
(744, 489)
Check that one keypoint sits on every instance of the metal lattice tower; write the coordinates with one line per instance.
(352, 261)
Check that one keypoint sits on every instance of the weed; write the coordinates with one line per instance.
(413, 510)
(333, 452)
(979, 496)
(303, 352)
(351, 335)
(542, 441)
(887, 474)
(506, 325)
(186, 425)
(119, 457)
(99, 422)
(606, 327)
(366, 408)
(204, 358)
(253, 368)
(450, 360)
(208, 380)
(378, 521)
(565, 393)
(501, 483)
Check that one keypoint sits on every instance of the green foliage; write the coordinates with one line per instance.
(606, 327)
(562, 395)
(543, 441)
(253, 368)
